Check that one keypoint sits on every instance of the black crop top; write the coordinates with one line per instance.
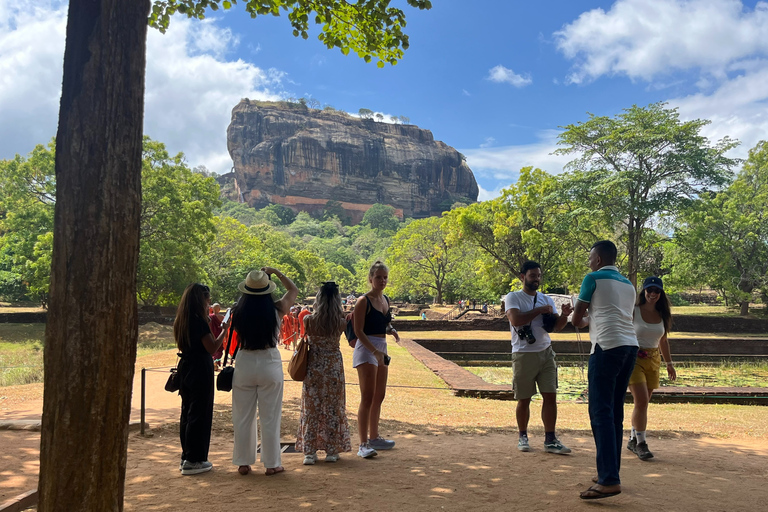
(375, 321)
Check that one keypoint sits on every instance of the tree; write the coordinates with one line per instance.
(404, 119)
(379, 117)
(422, 257)
(365, 113)
(727, 233)
(381, 217)
(92, 329)
(177, 224)
(27, 198)
(336, 209)
(313, 103)
(642, 164)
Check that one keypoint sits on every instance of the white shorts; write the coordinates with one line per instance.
(362, 355)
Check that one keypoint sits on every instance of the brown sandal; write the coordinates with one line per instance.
(274, 471)
(244, 470)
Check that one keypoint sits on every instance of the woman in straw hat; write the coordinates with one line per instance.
(258, 379)
(323, 424)
(196, 344)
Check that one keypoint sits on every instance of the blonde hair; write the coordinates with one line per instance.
(378, 265)
(327, 315)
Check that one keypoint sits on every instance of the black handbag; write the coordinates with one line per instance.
(173, 384)
(224, 379)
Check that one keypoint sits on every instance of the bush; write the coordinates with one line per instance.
(677, 300)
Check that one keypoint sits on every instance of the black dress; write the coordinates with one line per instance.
(196, 371)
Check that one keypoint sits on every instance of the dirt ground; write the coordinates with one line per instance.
(435, 466)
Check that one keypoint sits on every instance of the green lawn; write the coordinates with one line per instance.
(573, 380)
(21, 349)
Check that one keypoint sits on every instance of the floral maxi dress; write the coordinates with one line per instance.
(323, 424)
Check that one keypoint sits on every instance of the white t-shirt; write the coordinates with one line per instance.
(524, 303)
(648, 335)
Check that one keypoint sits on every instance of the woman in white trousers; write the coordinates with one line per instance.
(257, 384)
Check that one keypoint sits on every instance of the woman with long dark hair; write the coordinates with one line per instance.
(652, 321)
(196, 343)
(258, 378)
(371, 320)
(323, 424)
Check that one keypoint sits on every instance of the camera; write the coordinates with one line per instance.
(387, 359)
(525, 333)
(548, 321)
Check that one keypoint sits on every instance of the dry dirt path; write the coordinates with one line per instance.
(443, 459)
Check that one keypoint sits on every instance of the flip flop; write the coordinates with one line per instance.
(594, 479)
(274, 471)
(244, 470)
(596, 494)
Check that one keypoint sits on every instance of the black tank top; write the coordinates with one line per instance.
(375, 321)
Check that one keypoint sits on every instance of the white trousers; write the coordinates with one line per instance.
(257, 382)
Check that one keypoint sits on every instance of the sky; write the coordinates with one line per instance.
(495, 79)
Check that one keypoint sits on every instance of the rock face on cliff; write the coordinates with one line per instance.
(289, 154)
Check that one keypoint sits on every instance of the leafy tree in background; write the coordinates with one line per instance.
(279, 215)
(422, 257)
(92, 320)
(365, 113)
(335, 209)
(27, 199)
(177, 224)
(727, 233)
(639, 165)
(382, 218)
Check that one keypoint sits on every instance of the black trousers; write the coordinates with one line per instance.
(196, 410)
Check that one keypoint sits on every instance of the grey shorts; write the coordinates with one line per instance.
(532, 369)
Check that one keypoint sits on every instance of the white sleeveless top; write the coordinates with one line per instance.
(648, 335)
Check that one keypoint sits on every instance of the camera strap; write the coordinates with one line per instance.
(534, 307)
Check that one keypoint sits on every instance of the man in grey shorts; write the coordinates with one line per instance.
(533, 360)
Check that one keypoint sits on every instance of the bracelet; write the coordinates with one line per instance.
(669, 364)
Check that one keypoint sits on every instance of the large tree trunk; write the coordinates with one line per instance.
(633, 251)
(90, 339)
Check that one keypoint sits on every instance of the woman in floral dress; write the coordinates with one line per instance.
(323, 425)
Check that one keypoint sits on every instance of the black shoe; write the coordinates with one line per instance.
(642, 451)
(632, 445)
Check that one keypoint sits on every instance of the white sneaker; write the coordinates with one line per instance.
(522, 444)
(332, 457)
(309, 460)
(181, 465)
(366, 451)
(194, 468)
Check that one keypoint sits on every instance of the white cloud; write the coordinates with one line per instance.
(465, 92)
(500, 74)
(645, 38)
(737, 108)
(191, 84)
(486, 195)
(501, 166)
(488, 142)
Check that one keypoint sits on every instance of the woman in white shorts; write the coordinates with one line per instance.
(371, 320)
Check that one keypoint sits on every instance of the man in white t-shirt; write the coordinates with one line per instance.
(531, 315)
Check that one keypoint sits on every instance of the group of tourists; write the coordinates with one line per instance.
(257, 321)
(628, 333)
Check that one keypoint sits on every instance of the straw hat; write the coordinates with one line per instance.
(257, 282)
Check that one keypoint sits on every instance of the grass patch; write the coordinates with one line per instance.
(21, 349)
(572, 380)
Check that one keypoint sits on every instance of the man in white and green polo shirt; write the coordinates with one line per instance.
(610, 299)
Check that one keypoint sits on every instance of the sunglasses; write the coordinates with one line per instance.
(655, 291)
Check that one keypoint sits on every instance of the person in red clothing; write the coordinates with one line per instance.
(286, 331)
(304, 313)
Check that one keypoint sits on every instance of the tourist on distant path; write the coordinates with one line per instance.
(196, 344)
(533, 360)
(215, 325)
(653, 321)
(371, 320)
(610, 298)
(485, 308)
(323, 423)
(258, 380)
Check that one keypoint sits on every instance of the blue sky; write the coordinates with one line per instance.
(495, 80)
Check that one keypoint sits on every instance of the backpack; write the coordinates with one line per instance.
(349, 331)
